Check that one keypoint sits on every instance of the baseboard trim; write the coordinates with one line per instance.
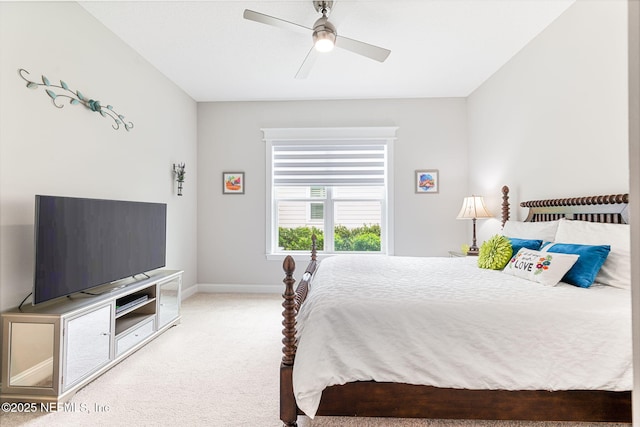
(239, 289)
(186, 293)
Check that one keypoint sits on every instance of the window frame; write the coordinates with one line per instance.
(281, 136)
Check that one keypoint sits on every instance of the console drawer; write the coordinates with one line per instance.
(138, 334)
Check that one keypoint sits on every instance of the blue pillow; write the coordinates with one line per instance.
(584, 271)
(517, 244)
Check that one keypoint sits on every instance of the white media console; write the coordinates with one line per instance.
(51, 350)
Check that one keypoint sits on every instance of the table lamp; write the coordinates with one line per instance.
(473, 208)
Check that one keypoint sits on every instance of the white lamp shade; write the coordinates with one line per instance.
(473, 207)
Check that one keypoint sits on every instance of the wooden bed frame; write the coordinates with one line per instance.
(374, 399)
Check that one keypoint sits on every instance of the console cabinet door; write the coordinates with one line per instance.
(169, 301)
(32, 355)
(87, 344)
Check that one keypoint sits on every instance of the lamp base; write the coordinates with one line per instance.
(474, 250)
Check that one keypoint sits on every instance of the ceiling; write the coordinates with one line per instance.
(439, 48)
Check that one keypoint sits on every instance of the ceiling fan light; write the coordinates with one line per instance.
(324, 41)
(324, 34)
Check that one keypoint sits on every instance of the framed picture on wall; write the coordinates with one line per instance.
(233, 183)
(427, 181)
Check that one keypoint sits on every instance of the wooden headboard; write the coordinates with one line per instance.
(613, 209)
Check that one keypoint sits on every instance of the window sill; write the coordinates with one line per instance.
(304, 255)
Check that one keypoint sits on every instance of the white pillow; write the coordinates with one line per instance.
(544, 230)
(616, 270)
(542, 267)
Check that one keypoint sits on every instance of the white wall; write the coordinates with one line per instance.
(75, 152)
(431, 135)
(634, 165)
(553, 121)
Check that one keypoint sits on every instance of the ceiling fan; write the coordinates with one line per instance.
(324, 35)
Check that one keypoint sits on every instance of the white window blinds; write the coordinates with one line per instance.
(329, 164)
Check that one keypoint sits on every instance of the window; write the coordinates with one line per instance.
(334, 183)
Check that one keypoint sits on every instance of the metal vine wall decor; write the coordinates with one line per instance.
(76, 98)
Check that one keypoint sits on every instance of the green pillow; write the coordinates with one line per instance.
(495, 253)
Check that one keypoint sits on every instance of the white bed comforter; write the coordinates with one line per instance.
(447, 323)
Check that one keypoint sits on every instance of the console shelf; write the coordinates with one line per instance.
(134, 308)
(51, 350)
(128, 322)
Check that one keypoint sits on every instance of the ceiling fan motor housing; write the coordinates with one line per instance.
(323, 7)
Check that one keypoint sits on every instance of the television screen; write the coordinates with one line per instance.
(82, 243)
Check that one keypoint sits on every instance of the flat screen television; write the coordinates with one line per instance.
(83, 243)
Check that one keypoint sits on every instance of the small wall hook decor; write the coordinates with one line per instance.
(57, 92)
(179, 172)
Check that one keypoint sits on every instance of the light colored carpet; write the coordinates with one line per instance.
(219, 367)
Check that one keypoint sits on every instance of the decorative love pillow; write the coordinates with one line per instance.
(542, 267)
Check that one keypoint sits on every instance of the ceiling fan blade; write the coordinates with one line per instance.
(276, 22)
(361, 48)
(307, 64)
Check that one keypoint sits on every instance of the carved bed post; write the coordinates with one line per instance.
(313, 247)
(505, 204)
(289, 313)
(288, 408)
